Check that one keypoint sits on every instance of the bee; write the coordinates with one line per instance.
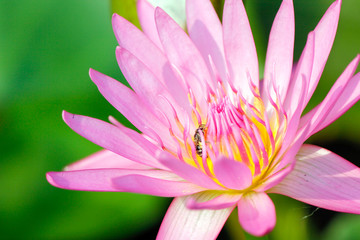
(197, 139)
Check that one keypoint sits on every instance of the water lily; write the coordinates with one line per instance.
(212, 135)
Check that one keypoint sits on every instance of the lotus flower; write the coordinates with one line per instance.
(212, 135)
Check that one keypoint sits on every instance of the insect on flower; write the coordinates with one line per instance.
(199, 133)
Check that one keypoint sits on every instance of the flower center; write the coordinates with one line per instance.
(232, 127)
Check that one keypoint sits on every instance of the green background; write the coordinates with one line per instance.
(47, 48)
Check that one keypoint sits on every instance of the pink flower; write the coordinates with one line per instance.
(213, 135)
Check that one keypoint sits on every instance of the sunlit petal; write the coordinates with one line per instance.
(323, 179)
(183, 223)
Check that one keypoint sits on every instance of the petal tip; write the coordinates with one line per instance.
(118, 49)
(92, 74)
(55, 179)
(357, 56)
(159, 12)
(67, 116)
(336, 4)
(191, 204)
(117, 22)
(114, 17)
(96, 77)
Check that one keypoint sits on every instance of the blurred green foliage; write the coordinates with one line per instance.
(47, 48)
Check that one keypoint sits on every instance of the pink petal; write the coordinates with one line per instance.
(205, 31)
(323, 179)
(85, 180)
(239, 47)
(146, 13)
(347, 99)
(294, 118)
(233, 174)
(115, 180)
(131, 106)
(294, 97)
(257, 213)
(279, 56)
(163, 184)
(212, 200)
(184, 55)
(123, 99)
(148, 87)
(315, 118)
(112, 138)
(187, 172)
(286, 158)
(297, 91)
(135, 41)
(325, 33)
(275, 178)
(104, 159)
(183, 223)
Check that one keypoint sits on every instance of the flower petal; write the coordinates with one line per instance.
(212, 200)
(85, 180)
(257, 213)
(275, 178)
(279, 55)
(104, 159)
(286, 159)
(205, 31)
(294, 115)
(184, 55)
(187, 172)
(163, 184)
(233, 174)
(183, 223)
(348, 98)
(147, 86)
(315, 118)
(239, 47)
(323, 179)
(131, 106)
(325, 33)
(111, 137)
(146, 13)
(294, 97)
(135, 41)
(113, 180)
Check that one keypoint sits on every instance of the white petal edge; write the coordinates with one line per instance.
(183, 223)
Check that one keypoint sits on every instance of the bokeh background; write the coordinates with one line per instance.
(47, 48)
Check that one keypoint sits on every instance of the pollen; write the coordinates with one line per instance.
(229, 125)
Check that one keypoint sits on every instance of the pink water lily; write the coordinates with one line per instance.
(212, 135)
